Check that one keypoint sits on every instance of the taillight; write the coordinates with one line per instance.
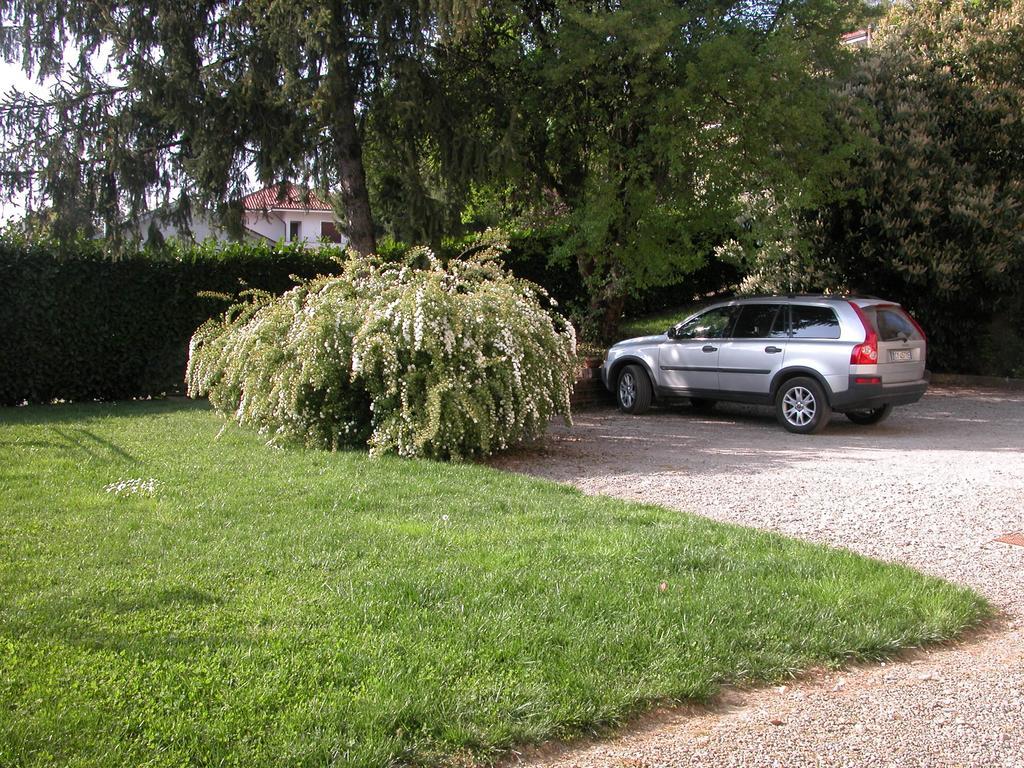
(867, 352)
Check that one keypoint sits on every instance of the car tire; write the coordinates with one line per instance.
(802, 407)
(703, 404)
(633, 390)
(873, 416)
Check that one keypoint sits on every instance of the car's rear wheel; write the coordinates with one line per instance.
(634, 391)
(872, 416)
(703, 404)
(801, 406)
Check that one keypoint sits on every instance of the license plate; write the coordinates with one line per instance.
(901, 355)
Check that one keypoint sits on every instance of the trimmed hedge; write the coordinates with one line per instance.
(78, 325)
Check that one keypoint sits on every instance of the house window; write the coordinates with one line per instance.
(329, 232)
(294, 231)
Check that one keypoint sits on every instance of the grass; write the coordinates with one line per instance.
(646, 325)
(270, 607)
(658, 322)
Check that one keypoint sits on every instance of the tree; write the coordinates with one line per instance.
(929, 213)
(667, 114)
(185, 101)
(640, 125)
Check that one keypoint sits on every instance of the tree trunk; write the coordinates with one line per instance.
(348, 147)
(606, 309)
(352, 177)
(606, 301)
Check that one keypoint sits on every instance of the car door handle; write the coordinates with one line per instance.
(709, 348)
(772, 350)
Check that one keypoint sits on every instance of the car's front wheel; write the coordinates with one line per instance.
(873, 416)
(801, 406)
(634, 391)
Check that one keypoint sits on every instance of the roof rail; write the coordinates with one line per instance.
(840, 296)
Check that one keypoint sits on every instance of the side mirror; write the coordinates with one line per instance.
(671, 332)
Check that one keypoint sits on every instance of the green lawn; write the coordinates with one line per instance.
(270, 607)
(657, 322)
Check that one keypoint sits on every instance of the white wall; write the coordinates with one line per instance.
(272, 225)
(267, 224)
(201, 228)
(275, 224)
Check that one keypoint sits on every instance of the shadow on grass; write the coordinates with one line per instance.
(86, 441)
(63, 424)
(79, 622)
(78, 413)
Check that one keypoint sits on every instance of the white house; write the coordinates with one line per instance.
(859, 38)
(281, 212)
(290, 213)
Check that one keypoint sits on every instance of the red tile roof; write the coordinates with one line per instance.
(284, 197)
(857, 36)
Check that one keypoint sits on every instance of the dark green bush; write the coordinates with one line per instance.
(78, 325)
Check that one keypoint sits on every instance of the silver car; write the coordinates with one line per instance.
(806, 355)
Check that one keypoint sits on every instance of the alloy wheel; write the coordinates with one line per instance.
(627, 390)
(799, 406)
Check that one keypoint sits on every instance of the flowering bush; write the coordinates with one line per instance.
(415, 358)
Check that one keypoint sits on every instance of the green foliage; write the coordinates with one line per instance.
(428, 360)
(646, 121)
(929, 213)
(635, 126)
(185, 102)
(527, 254)
(774, 251)
(268, 608)
(657, 322)
(77, 325)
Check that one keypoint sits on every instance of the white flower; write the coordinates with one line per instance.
(135, 486)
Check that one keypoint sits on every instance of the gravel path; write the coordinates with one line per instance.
(931, 487)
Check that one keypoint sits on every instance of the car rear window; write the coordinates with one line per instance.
(892, 324)
(760, 321)
(814, 322)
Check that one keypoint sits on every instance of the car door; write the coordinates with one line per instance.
(749, 360)
(689, 360)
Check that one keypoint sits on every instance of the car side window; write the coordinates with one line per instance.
(814, 322)
(713, 324)
(780, 328)
(760, 321)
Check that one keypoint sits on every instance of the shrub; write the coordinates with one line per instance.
(415, 358)
(529, 256)
(78, 325)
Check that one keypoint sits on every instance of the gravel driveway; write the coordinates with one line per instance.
(931, 487)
